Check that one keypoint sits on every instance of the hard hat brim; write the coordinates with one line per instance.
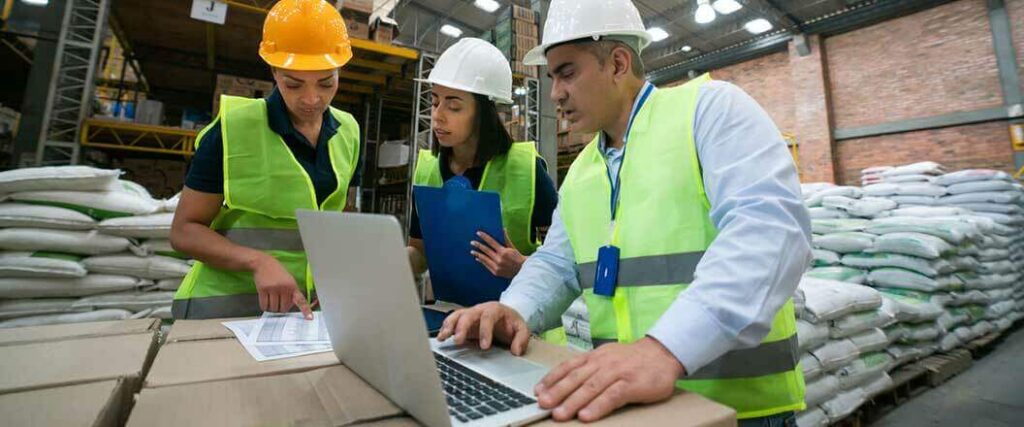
(303, 62)
(496, 98)
(537, 56)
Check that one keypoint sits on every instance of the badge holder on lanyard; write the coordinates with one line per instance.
(607, 275)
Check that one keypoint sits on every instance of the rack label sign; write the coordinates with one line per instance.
(209, 11)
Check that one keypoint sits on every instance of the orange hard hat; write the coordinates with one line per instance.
(305, 35)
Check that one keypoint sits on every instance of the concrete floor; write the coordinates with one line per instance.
(990, 393)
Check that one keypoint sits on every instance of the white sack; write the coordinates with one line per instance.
(74, 242)
(914, 244)
(29, 264)
(156, 226)
(845, 242)
(68, 178)
(78, 287)
(54, 319)
(34, 216)
(155, 267)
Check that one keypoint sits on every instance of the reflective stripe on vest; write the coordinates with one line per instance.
(264, 185)
(663, 228)
(649, 270)
(765, 359)
(512, 175)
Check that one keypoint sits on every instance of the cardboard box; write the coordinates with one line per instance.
(329, 396)
(523, 14)
(76, 361)
(361, 6)
(192, 362)
(34, 334)
(358, 28)
(336, 396)
(385, 30)
(239, 86)
(197, 330)
(99, 404)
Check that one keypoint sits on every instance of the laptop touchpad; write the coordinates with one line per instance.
(499, 363)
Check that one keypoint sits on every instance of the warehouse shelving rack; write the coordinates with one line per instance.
(71, 85)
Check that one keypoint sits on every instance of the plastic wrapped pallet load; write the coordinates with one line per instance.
(155, 267)
(40, 264)
(53, 319)
(156, 226)
(93, 284)
(61, 241)
(34, 216)
(65, 178)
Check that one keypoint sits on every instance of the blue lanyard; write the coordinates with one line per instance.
(617, 183)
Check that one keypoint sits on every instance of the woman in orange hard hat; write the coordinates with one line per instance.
(260, 161)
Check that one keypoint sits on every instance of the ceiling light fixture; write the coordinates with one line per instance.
(36, 2)
(451, 31)
(657, 34)
(487, 5)
(705, 13)
(726, 7)
(758, 26)
(687, 48)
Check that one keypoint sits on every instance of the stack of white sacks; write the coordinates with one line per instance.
(842, 337)
(942, 250)
(77, 244)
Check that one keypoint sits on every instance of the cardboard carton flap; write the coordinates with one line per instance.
(214, 360)
(196, 330)
(59, 363)
(32, 334)
(327, 396)
(92, 404)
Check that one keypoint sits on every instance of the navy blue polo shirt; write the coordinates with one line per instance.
(206, 173)
(544, 202)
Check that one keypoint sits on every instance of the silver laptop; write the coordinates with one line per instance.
(365, 286)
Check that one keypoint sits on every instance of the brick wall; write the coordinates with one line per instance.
(937, 61)
(768, 80)
(976, 146)
(934, 62)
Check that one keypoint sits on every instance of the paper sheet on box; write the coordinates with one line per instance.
(290, 328)
(244, 329)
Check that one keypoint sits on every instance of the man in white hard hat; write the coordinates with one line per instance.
(686, 252)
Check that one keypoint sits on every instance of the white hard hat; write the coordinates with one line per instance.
(570, 20)
(476, 66)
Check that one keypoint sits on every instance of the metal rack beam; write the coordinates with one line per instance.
(532, 110)
(421, 136)
(118, 135)
(71, 85)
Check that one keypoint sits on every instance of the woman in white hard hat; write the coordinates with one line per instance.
(468, 80)
(258, 162)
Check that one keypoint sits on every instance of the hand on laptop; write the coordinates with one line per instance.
(277, 288)
(487, 322)
(592, 385)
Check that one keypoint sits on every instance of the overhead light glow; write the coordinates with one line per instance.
(487, 5)
(687, 48)
(451, 31)
(705, 13)
(36, 2)
(657, 34)
(758, 26)
(726, 7)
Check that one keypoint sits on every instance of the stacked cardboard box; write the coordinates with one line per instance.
(515, 34)
(81, 374)
(384, 29)
(239, 86)
(569, 146)
(357, 17)
(163, 178)
(202, 374)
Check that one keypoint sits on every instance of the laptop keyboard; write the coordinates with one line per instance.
(472, 396)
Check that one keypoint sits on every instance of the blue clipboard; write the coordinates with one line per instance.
(450, 218)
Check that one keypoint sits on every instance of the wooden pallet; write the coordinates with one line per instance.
(984, 345)
(942, 367)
